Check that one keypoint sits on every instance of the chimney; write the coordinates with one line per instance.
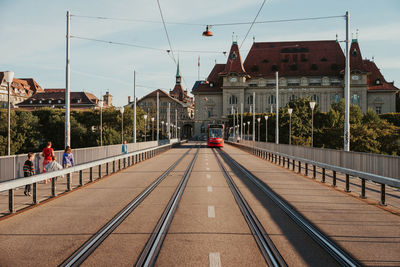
(129, 99)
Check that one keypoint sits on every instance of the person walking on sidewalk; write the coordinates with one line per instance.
(29, 170)
(124, 147)
(68, 158)
(53, 166)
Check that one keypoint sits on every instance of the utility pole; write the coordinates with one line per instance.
(176, 123)
(277, 108)
(169, 121)
(134, 106)
(67, 141)
(158, 115)
(347, 88)
(254, 116)
(241, 121)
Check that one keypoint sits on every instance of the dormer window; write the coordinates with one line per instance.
(234, 56)
(49, 101)
(59, 101)
(30, 101)
(78, 101)
(40, 101)
(377, 81)
(354, 52)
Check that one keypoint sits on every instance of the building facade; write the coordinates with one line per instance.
(313, 69)
(178, 99)
(20, 90)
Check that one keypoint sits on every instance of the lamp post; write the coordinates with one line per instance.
(248, 130)
(162, 128)
(8, 76)
(266, 129)
(290, 110)
(179, 132)
(122, 124)
(145, 126)
(243, 131)
(101, 122)
(312, 106)
(166, 130)
(258, 119)
(152, 129)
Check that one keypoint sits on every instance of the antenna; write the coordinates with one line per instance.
(357, 34)
(254, 39)
(336, 37)
(373, 59)
(233, 34)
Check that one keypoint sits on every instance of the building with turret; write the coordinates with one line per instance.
(313, 69)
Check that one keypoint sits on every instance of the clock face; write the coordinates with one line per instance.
(233, 80)
(355, 77)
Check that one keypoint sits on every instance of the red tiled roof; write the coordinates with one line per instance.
(179, 93)
(234, 63)
(59, 94)
(213, 83)
(375, 79)
(356, 61)
(305, 58)
(162, 93)
(22, 86)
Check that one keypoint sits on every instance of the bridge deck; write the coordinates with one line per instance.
(208, 226)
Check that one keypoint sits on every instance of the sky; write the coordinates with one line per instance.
(33, 42)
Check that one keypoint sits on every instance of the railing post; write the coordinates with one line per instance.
(11, 200)
(363, 188)
(69, 187)
(293, 165)
(34, 200)
(314, 172)
(306, 168)
(347, 183)
(279, 163)
(119, 164)
(80, 178)
(383, 195)
(53, 186)
(129, 161)
(299, 166)
(334, 179)
(91, 174)
(124, 163)
(107, 171)
(100, 171)
(113, 166)
(323, 175)
(288, 163)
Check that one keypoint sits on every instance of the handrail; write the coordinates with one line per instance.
(11, 184)
(368, 176)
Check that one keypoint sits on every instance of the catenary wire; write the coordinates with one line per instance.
(252, 24)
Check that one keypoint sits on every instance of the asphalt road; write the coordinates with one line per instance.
(208, 228)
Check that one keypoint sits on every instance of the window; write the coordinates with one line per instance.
(315, 98)
(250, 100)
(336, 98)
(210, 112)
(30, 101)
(271, 99)
(355, 99)
(40, 101)
(163, 103)
(253, 85)
(293, 82)
(232, 99)
(59, 101)
(315, 81)
(78, 101)
(378, 110)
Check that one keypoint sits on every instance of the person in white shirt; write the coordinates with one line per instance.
(53, 165)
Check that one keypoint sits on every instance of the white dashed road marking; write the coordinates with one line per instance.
(215, 260)
(211, 212)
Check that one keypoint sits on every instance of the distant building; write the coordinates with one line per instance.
(179, 100)
(313, 69)
(20, 90)
(55, 98)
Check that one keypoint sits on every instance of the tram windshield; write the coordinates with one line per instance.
(216, 132)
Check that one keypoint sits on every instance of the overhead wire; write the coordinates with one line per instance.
(252, 24)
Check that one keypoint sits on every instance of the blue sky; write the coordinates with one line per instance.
(33, 38)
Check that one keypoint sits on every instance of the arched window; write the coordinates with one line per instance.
(232, 99)
(336, 98)
(355, 99)
(271, 99)
(315, 98)
(250, 100)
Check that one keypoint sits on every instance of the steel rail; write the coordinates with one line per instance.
(150, 252)
(82, 253)
(264, 242)
(342, 257)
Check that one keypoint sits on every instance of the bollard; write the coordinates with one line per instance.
(80, 178)
(11, 200)
(323, 175)
(91, 174)
(363, 188)
(334, 179)
(383, 195)
(69, 184)
(34, 200)
(347, 183)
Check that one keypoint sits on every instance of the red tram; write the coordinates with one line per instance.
(215, 137)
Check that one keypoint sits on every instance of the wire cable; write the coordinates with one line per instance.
(251, 26)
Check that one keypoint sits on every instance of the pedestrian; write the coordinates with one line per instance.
(53, 165)
(124, 147)
(47, 153)
(68, 158)
(29, 170)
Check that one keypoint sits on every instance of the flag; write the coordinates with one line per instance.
(198, 62)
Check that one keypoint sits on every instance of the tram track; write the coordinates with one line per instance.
(87, 248)
(342, 257)
(265, 244)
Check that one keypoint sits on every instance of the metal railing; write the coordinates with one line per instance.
(122, 160)
(11, 167)
(384, 165)
(287, 160)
